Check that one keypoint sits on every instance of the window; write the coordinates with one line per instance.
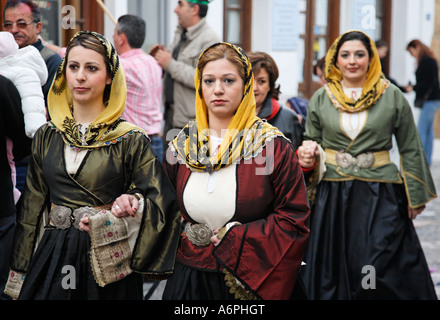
(153, 12)
(89, 16)
(319, 20)
(238, 22)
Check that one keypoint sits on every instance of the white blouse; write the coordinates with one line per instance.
(211, 198)
(353, 123)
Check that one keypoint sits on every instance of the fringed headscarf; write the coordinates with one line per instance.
(373, 88)
(108, 128)
(245, 137)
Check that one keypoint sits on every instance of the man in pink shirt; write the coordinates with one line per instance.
(143, 77)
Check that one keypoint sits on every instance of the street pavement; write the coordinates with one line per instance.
(428, 224)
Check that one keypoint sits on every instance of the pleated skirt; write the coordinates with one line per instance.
(189, 283)
(362, 245)
(60, 270)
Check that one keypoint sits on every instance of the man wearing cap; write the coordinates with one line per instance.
(192, 37)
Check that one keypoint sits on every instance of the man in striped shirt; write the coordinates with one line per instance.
(143, 77)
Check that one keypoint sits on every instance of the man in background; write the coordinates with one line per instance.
(143, 77)
(192, 37)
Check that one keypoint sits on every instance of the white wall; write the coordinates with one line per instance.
(287, 61)
(117, 8)
(411, 20)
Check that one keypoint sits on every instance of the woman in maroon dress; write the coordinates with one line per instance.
(240, 190)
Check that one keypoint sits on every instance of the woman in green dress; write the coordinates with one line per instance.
(362, 243)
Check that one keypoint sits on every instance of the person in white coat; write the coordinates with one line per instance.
(27, 70)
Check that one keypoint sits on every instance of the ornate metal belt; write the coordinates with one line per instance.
(63, 217)
(199, 234)
(365, 160)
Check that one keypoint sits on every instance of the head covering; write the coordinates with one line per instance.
(246, 135)
(373, 88)
(8, 45)
(206, 2)
(108, 128)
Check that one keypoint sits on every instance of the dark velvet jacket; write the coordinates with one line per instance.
(285, 119)
(266, 251)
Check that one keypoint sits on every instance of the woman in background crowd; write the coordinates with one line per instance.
(267, 94)
(427, 92)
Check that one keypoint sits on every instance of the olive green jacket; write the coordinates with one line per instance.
(125, 166)
(390, 115)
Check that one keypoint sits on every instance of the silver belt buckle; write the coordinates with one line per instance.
(199, 234)
(345, 160)
(364, 160)
(63, 218)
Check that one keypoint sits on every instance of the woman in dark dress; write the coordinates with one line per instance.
(362, 243)
(98, 209)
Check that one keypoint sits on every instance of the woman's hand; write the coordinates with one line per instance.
(84, 224)
(124, 206)
(214, 239)
(220, 233)
(307, 154)
(413, 213)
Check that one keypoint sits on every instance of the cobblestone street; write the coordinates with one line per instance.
(428, 224)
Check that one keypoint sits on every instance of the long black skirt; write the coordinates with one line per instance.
(188, 283)
(60, 270)
(362, 245)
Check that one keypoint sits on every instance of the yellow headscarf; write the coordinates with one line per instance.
(108, 128)
(246, 135)
(373, 88)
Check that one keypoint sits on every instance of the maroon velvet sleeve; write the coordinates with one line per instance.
(266, 254)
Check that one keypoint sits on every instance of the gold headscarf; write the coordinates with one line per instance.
(373, 88)
(108, 128)
(246, 135)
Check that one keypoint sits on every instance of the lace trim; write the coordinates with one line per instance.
(97, 144)
(236, 288)
(252, 154)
